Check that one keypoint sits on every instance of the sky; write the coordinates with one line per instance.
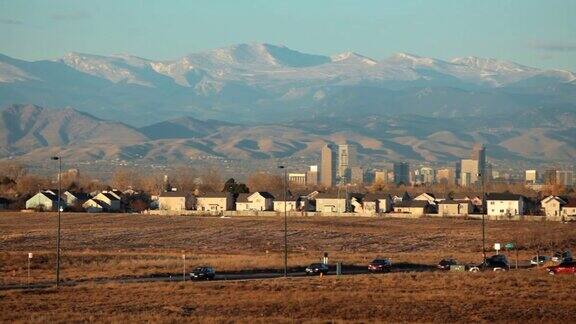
(536, 33)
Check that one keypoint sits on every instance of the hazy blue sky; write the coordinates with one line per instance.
(539, 33)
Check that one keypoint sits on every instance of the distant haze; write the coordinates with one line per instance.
(532, 32)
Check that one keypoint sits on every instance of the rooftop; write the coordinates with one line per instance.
(503, 196)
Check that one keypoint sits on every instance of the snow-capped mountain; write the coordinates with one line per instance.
(265, 63)
(270, 82)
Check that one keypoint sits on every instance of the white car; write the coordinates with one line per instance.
(539, 260)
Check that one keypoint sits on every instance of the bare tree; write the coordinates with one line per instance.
(263, 181)
(12, 170)
(123, 179)
(30, 184)
(184, 178)
(211, 180)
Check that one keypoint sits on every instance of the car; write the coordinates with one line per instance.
(317, 269)
(566, 267)
(497, 262)
(380, 265)
(562, 256)
(445, 264)
(203, 273)
(539, 260)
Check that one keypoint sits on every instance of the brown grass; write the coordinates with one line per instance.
(127, 245)
(132, 245)
(403, 297)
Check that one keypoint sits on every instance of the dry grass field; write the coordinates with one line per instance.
(396, 297)
(119, 245)
(113, 245)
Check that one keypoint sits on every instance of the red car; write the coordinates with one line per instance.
(566, 267)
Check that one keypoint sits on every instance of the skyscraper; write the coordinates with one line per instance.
(346, 160)
(427, 175)
(479, 154)
(469, 172)
(327, 166)
(402, 173)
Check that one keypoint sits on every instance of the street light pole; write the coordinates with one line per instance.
(59, 159)
(285, 225)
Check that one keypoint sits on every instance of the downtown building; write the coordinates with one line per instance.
(473, 171)
(347, 159)
(328, 166)
(402, 173)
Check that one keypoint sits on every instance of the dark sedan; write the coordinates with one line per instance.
(203, 273)
(380, 265)
(317, 269)
(445, 264)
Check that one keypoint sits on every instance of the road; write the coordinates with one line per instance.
(347, 270)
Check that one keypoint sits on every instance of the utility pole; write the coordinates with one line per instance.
(59, 159)
(484, 210)
(285, 225)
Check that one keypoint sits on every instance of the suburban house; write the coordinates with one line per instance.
(75, 198)
(257, 201)
(455, 207)
(569, 209)
(94, 205)
(331, 203)
(292, 202)
(552, 206)
(216, 202)
(114, 192)
(44, 200)
(377, 202)
(176, 201)
(413, 207)
(307, 201)
(430, 198)
(111, 201)
(504, 204)
(4, 203)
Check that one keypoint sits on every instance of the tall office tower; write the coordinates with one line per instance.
(446, 176)
(469, 172)
(531, 176)
(356, 175)
(427, 175)
(346, 160)
(565, 178)
(479, 154)
(328, 166)
(312, 176)
(402, 173)
(457, 171)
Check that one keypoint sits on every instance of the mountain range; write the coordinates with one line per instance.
(259, 101)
